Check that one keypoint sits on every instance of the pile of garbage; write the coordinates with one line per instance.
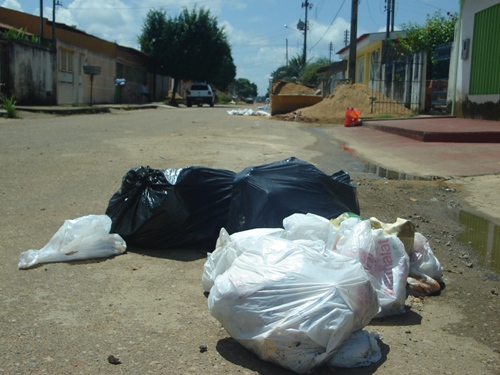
(294, 295)
(293, 272)
(249, 112)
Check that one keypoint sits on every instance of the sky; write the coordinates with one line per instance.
(262, 33)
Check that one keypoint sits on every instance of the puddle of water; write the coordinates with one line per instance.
(484, 237)
(390, 174)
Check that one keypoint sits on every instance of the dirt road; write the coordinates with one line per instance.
(148, 309)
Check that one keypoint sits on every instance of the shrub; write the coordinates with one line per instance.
(9, 104)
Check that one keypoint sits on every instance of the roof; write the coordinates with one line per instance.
(335, 67)
(373, 37)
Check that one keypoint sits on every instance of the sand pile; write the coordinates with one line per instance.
(331, 110)
(290, 88)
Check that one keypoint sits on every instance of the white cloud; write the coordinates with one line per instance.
(12, 4)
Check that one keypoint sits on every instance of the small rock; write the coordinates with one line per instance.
(203, 348)
(114, 360)
(493, 291)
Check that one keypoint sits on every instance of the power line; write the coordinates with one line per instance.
(331, 23)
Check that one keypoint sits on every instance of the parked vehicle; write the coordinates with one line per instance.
(249, 100)
(199, 94)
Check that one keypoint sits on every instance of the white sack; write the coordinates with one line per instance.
(291, 304)
(383, 257)
(86, 237)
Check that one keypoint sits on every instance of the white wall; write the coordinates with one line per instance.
(74, 88)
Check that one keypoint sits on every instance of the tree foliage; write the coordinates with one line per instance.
(310, 75)
(244, 88)
(290, 72)
(189, 46)
(296, 72)
(437, 30)
(226, 74)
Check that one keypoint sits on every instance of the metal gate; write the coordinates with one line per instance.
(398, 86)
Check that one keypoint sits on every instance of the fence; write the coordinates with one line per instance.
(398, 86)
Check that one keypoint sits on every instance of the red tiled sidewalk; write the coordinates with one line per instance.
(435, 129)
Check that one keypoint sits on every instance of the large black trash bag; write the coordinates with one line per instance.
(264, 195)
(171, 208)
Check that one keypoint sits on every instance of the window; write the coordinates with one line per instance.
(66, 60)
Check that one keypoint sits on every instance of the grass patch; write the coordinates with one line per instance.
(9, 104)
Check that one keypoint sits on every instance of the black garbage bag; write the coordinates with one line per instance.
(171, 208)
(264, 195)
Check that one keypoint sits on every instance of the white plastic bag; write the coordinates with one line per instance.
(310, 227)
(360, 349)
(425, 269)
(86, 237)
(292, 304)
(228, 248)
(423, 260)
(383, 257)
(297, 227)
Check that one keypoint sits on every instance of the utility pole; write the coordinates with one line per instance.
(346, 37)
(54, 4)
(354, 36)
(330, 48)
(41, 21)
(286, 52)
(390, 5)
(393, 12)
(307, 6)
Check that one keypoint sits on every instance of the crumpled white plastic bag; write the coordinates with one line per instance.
(358, 350)
(383, 257)
(228, 248)
(423, 260)
(293, 303)
(310, 227)
(247, 112)
(86, 237)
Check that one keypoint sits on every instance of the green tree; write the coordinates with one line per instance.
(226, 74)
(244, 88)
(290, 72)
(189, 46)
(436, 30)
(296, 72)
(310, 75)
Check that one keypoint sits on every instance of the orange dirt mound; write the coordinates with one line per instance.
(331, 110)
(290, 88)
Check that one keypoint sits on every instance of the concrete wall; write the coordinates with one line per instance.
(31, 77)
(73, 86)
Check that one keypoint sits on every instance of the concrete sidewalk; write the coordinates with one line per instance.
(393, 146)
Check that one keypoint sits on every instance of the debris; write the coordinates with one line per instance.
(323, 298)
(114, 360)
(171, 208)
(383, 256)
(331, 110)
(86, 237)
(264, 195)
(352, 117)
(248, 112)
(203, 348)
